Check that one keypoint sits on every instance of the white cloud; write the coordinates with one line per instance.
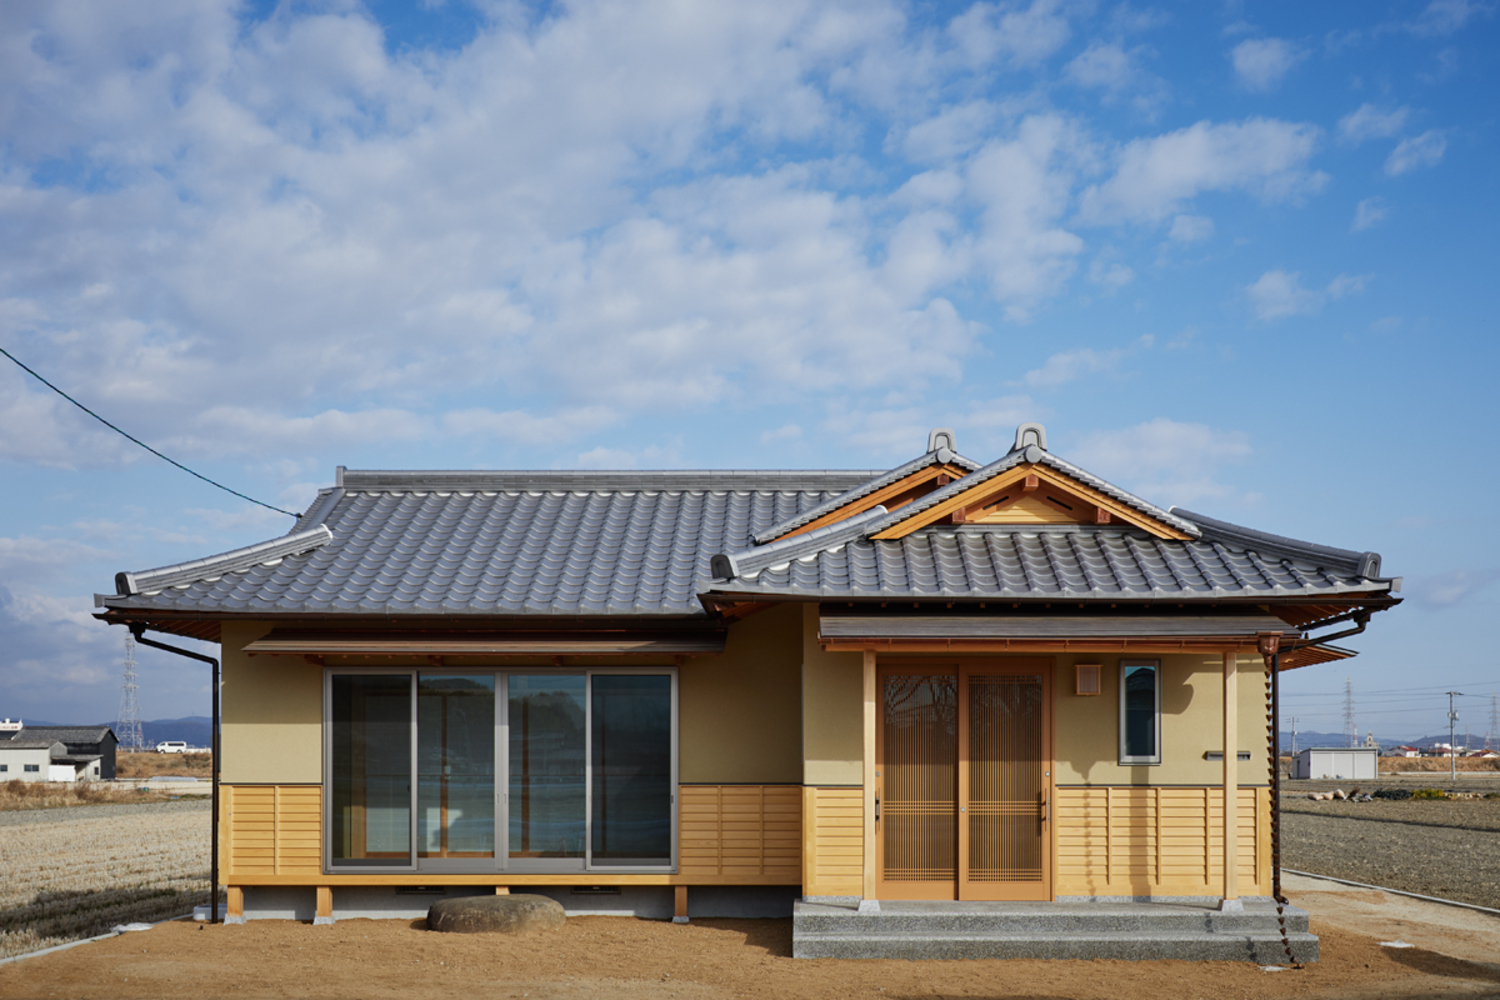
(952, 132)
(1010, 33)
(1023, 185)
(1157, 176)
(985, 427)
(1448, 589)
(1280, 294)
(1191, 229)
(1102, 64)
(1443, 17)
(1165, 461)
(1110, 275)
(1067, 366)
(1425, 150)
(1368, 213)
(1261, 63)
(1369, 122)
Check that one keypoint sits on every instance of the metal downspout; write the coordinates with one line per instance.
(138, 630)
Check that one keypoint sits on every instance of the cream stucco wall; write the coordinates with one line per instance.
(739, 713)
(1087, 727)
(272, 728)
(832, 698)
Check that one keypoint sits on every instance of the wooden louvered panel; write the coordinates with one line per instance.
(271, 830)
(1161, 841)
(747, 831)
(833, 841)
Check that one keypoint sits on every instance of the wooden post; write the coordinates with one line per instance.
(810, 841)
(325, 906)
(870, 782)
(1231, 783)
(679, 904)
(502, 890)
(234, 904)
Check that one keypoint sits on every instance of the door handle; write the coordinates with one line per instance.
(877, 809)
(1044, 808)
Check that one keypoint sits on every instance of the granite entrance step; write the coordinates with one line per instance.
(1131, 931)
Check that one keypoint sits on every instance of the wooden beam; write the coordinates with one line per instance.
(1030, 484)
(325, 902)
(1231, 780)
(679, 905)
(1143, 644)
(234, 902)
(870, 860)
(921, 477)
(1020, 476)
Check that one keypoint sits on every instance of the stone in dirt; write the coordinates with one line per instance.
(521, 913)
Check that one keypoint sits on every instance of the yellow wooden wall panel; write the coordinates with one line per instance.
(1164, 841)
(747, 831)
(833, 841)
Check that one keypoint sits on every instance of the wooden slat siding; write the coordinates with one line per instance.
(271, 830)
(1125, 841)
(834, 863)
(740, 831)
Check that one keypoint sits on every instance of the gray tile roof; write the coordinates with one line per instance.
(67, 734)
(496, 543)
(1064, 561)
(600, 544)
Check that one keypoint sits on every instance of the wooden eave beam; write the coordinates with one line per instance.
(919, 478)
(1019, 476)
(1145, 644)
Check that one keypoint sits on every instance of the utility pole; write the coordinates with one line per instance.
(1493, 736)
(1452, 750)
(1351, 731)
(128, 725)
(1294, 736)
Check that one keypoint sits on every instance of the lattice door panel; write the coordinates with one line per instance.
(1004, 786)
(917, 830)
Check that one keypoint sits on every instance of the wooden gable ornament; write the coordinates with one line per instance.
(1031, 493)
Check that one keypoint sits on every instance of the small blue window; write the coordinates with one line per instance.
(1140, 712)
(4, 768)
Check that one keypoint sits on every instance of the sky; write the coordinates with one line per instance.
(1233, 256)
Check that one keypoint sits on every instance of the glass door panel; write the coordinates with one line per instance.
(547, 797)
(918, 787)
(456, 766)
(370, 760)
(631, 736)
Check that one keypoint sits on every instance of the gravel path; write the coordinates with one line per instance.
(1446, 849)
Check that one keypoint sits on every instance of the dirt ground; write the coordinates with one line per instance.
(619, 957)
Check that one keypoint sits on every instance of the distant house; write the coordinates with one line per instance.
(57, 753)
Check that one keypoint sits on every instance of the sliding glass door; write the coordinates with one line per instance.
(415, 759)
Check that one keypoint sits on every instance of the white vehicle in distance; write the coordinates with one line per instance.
(172, 746)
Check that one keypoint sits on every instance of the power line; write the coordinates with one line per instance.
(137, 440)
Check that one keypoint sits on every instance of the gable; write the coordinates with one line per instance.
(892, 497)
(1031, 493)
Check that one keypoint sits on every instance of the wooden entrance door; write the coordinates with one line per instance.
(963, 780)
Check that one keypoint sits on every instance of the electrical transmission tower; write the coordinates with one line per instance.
(1492, 737)
(1351, 731)
(128, 726)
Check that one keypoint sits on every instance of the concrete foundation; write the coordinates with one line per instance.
(1131, 931)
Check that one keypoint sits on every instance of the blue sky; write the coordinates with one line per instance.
(1233, 256)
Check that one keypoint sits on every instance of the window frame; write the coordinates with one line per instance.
(502, 863)
(1154, 758)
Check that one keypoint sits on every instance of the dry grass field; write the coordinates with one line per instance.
(56, 795)
(149, 764)
(75, 873)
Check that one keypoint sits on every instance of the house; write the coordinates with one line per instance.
(717, 692)
(56, 753)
